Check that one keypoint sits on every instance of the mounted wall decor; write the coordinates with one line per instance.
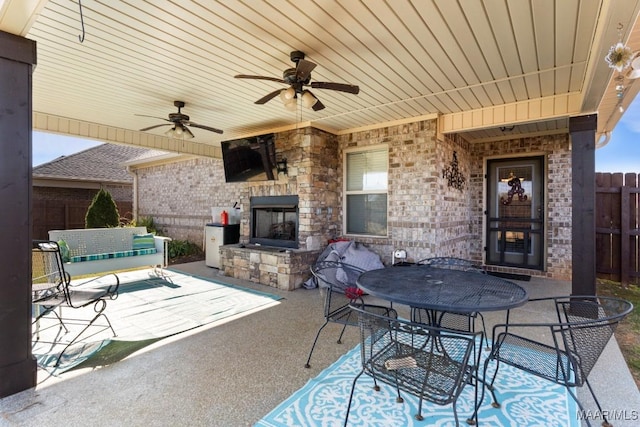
(626, 62)
(453, 175)
(515, 190)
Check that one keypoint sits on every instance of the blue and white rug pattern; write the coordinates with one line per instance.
(525, 401)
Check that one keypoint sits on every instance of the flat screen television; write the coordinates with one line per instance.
(249, 159)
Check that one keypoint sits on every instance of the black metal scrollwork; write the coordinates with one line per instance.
(452, 174)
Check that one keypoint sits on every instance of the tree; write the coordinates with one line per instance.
(102, 212)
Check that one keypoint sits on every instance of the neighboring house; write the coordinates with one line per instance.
(64, 188)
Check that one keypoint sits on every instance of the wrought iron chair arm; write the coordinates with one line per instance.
(95, 289)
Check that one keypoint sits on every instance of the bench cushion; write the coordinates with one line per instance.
(109, 255)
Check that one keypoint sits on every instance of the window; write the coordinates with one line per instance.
(366, 191)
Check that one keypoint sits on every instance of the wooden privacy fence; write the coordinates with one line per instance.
(617, 222)
(65, 215)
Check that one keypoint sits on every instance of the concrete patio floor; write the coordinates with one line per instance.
(235, 373)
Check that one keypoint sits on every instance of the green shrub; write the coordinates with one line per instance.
(102, 212)
(147, 221)
(178, 248)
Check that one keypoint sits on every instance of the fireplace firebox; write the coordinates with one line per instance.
(274, 221)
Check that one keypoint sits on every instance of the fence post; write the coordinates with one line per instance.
(624, 235)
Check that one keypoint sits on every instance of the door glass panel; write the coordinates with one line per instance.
(515, 222)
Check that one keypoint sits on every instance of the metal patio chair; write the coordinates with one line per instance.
(52, 290)
(337, 283)
(431, 363)
(464, 322)
(563, 351)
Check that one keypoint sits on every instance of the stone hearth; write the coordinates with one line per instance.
(281, 268)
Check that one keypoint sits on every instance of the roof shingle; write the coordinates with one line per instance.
(101, 163)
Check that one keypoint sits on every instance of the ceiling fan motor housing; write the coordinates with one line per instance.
(296, 56)
(178, 117)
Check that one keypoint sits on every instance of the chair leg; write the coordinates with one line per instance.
(489, 386)
(307, 365)
(46, 311)
(455, 413)
(605, 422)
(473, 419)
(100, 314)
(353, 387)
(344, 327)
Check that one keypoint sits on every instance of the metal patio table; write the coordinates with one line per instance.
(440, 290)
(443, 290)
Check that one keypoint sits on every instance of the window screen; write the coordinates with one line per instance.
(366, 192)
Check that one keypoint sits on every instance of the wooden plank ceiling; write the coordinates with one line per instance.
(488, 68)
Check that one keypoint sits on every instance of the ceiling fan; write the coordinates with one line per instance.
(180, 122)
(298, 78)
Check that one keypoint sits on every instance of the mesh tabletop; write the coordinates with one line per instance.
(442, 289)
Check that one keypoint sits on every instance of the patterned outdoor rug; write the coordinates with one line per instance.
(525, 401)
(148, 309)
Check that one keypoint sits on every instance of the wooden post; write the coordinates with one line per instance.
(17, 365)
(583, 193)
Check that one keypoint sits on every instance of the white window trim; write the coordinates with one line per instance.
(345, 192)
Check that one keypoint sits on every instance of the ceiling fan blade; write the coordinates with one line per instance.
(155, 126)
(210, 129)
(245, 76)
(342, 87)
(318, 106)
(268, 97)
(303, 69)
(153, 117)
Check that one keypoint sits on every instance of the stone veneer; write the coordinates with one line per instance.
(279, 268)
(425, 216)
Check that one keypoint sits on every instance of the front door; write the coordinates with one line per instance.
(515, 212)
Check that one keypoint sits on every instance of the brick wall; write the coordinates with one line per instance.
(556, 149)
(179, 195)
(426, 217)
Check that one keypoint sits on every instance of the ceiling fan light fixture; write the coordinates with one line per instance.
(287, 94)
(291, 104)
(308, 100)
(170, 133)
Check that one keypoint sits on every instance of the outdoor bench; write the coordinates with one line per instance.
(96, 250)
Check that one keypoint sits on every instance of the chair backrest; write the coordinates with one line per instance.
(336, 275)
(586, 326)
(86, 241)
(452, 263)
(338, 281)
(429, 362)
(47, 268)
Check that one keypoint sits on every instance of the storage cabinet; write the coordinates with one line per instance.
(215, 236)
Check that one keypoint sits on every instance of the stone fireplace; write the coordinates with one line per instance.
(287, 223)
(274, 221)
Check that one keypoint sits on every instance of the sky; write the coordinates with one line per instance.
(50, 146)
(621, 154)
